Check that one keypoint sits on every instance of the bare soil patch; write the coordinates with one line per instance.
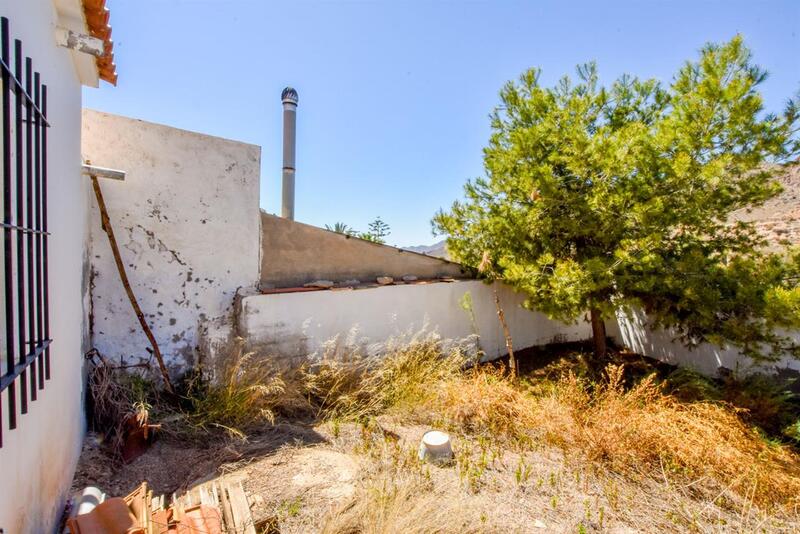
(298, 486)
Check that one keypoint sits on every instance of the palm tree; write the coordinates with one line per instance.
(341, 228)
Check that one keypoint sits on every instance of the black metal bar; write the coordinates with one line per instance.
(22, 229)
(45, 278)
(32, 121)
(18, 129)
(28, 121)
(35, 283)
(22, 314)
(8, 285)
(5, 66)
(7, 379)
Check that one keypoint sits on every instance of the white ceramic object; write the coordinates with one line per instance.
(435, 447)
(84, 501)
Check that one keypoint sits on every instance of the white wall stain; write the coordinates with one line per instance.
(188, 211)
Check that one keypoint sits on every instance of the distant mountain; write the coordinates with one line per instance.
(438, 249)
(778, 219)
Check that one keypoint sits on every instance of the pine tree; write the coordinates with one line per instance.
(378, 230)
(596, 199)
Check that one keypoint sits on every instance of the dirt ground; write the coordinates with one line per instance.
(172, 465)
(299, 477)
(337, 477)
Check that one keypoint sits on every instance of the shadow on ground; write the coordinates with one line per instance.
(173, 464)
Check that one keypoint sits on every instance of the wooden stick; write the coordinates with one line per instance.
(512, 362)
(106, 225)
(227, 510)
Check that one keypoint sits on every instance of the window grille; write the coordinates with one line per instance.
(25, 362)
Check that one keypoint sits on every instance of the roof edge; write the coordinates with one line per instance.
(97, 18)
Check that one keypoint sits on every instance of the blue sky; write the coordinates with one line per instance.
(395, 95)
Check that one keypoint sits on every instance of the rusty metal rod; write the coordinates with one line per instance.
(106, 225)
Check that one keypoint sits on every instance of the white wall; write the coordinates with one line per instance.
(298, 324)
(632, 330)
(304, 324)
(38, 457)
(186, 219)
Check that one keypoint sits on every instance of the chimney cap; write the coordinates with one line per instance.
(289, 95)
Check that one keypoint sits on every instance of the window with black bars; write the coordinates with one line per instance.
(25, 363)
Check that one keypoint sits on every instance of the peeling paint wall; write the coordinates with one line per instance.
(631, 330)
(38, 458)
(186, 219)
(295, 253)
(307, 324)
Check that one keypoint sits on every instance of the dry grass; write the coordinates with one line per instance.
(395, 503)
(249, 393)
(116, 397)
(704, 452)
(641, 432)
(402, 380)
(398, 495)
(496, 490)
(644, 432)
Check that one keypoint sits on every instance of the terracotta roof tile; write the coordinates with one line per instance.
(97, 17)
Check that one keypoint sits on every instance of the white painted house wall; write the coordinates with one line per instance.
(297, 325)
(631, 330)
(39, 456)
(186, 219)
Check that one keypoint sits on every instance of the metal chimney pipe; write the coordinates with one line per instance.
(289, 99)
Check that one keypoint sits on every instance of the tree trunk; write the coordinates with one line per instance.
(512, 362)
(598, 333)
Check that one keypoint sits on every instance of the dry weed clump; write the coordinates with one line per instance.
(402, 379)
(250, 392)
(644, 432)
(637, 432)
(766, 401)
(119, 401)
(485, 402)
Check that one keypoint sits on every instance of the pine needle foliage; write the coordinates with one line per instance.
(598, 198)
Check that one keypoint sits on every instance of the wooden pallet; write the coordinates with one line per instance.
(225, 493)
